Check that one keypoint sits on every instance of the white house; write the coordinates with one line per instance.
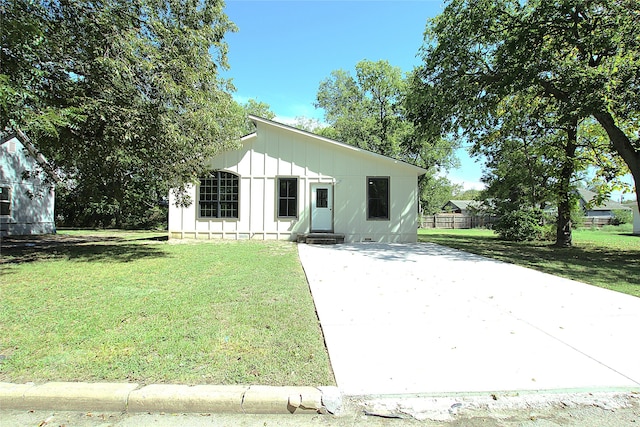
(26, 198)
(284, 182)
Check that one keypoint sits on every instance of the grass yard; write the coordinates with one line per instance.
(608, 257)
(129, 306)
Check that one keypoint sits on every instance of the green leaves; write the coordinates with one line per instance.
(373, 111)
(124, 96)
(516, 78)
(366, 111)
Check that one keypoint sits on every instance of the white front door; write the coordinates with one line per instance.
(322, 207)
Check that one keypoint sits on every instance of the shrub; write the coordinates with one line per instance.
(622, 216)
(548, 232)
(519, 225)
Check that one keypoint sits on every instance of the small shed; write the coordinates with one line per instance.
(27, 192)
(283, 183)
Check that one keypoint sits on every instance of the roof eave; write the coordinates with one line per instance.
(38, 156)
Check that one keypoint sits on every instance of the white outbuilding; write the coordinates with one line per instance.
(284, 183)
(27, 188)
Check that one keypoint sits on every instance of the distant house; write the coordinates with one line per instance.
(604, 209)
(26, 198)
(464, 207)
(283, 183)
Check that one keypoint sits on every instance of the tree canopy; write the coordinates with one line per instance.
(370, 110)
(366, 111)
(577, 59)
(256, 108)
(124, 97)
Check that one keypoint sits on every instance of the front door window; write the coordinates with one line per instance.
(322, 198)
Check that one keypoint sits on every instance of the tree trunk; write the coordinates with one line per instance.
(563, 231)
(623, 146)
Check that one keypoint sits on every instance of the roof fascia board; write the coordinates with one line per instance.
(248, 137)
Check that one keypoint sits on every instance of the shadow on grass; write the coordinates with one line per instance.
(601, 266)
(635, 236)
(24, 249)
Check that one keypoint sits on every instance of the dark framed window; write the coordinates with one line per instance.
(5, 201)
(378, 198)
(218, 196)
(288, 197)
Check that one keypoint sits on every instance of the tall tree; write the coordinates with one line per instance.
(256, 108)
(370, 111)
(366, 110)
(531, 156)
(580, 56)
(124, 97)
(435, 192)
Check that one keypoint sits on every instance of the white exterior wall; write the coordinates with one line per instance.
(276, 152)
(32, 201)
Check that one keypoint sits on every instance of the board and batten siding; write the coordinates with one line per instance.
(280, 152)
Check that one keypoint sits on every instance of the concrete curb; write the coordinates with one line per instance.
(130, 397)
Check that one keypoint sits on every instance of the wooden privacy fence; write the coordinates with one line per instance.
(596, 221)
(455, 221)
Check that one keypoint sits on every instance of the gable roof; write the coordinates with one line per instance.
(464, 205)
(460, 204)
(26, 141)
(587, 196)
(332, 142)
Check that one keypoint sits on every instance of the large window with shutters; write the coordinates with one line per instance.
(218, 195)
(287, 197)
(378, 198)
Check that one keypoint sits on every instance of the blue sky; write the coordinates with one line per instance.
(284, 49)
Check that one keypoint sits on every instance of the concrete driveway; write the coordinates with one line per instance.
(422, 318)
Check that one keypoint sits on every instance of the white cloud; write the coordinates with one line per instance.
(293, 121)
(285, 120)
(306, 110)
(467, 184)
(240, 99)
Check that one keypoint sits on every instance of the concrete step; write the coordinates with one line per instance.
(320, 241)
(321, 238)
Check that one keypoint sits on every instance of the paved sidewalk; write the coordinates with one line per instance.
(422, 318)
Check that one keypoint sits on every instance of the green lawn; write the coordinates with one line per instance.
(609, 257)
(127, 306)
